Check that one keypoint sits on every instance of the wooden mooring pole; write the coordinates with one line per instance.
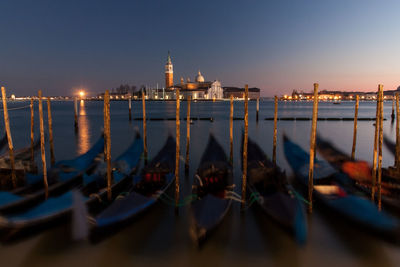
(178, 136)
(353, 150)
(9, 138)
(374, 160)
(231, 131)
(76, 113)
(257, 108)
(312, 149)
(275, 130)
(245, 141)
(392, 116)
(380, 148)
(107, 138)
(397, 133)
(42, 145)
(144, 127)
(32, 132)
(130, 107)
(50, 123)
(187, 134)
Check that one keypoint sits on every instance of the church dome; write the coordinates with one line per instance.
(199, 78)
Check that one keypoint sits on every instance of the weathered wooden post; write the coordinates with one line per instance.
(178, 135)
(257, 108)
(275, 130)
(312, 149)
(9, 138)
(187, 134)
(380, 148)
(32, 132)
(144, 126)
(76, 113)
(245, 141)
(107, 135)
(42, 147)
(393, 100)
(130, 107)
(397, 133)
(231, 131)
(50, 122)
(375, 146)
(353, 150)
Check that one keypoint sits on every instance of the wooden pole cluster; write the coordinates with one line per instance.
(397, 133)
(42, 145)
(231, 131)
(178, 135)
(275, 129)
(50, 122)
(312, 148)
(144, 126)
(257, 107)
(380, 148)
(130, 107)
(76, 113)
(107, 139)
(32, 132)
(245, 141)
(187, 134)
(9, 138)
(353, 150)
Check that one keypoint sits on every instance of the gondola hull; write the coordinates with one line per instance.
(212, 201)
(336, 199)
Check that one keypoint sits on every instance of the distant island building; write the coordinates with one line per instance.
(199, 88)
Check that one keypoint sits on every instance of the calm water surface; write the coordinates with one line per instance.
(161, 238)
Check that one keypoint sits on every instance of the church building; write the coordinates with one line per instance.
(198, 89)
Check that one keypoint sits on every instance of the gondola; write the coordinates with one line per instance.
(23, 164)
(360, 172)
(212, 185)
(3, 141)
(336, 199)
(94, 194)
(391, 146)
(269, 186)
(62, 176)
(154, 181)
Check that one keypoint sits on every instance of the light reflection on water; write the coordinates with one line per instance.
(83, 131)
(161, 237)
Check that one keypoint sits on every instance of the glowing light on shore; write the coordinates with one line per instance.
(82, 94)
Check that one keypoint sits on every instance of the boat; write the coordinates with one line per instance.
(391, 146)
(3, 141)
(154, 181)
(63, 176)
(94, 195)
(268, 185)
(212, 185)
(337, 200)
(23, 164)
(357, 170)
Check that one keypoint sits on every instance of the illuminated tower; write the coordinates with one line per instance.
(169, 73)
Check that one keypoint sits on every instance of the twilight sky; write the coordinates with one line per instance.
(276, 45)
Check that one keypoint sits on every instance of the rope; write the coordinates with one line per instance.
(298, 196)
(27, 106)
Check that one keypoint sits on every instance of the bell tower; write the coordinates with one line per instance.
(169, 73)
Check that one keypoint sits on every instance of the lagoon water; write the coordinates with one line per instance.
(160, 237)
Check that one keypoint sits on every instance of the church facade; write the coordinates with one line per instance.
(198, 89)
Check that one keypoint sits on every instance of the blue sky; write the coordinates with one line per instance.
(278, 46)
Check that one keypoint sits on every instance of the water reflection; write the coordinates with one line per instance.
(84, 130)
